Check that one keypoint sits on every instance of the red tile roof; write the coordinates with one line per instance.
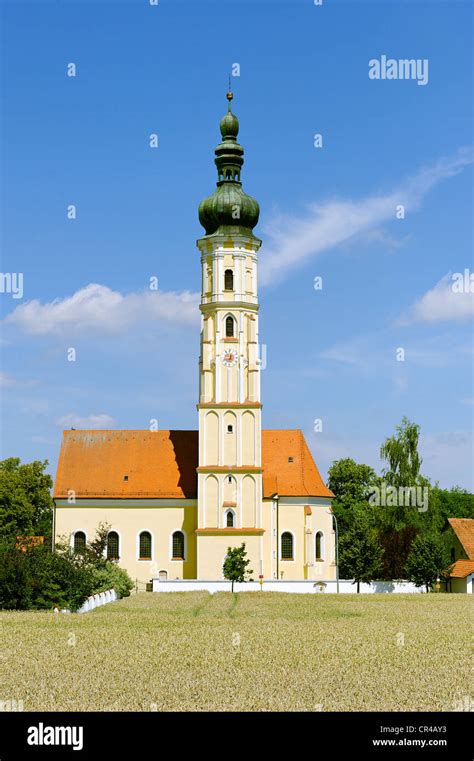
(162, 464)
(461, 569)
(464, 530)
(298, 478)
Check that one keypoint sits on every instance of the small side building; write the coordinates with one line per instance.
(460, 537)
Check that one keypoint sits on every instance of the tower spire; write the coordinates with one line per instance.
(228, 206)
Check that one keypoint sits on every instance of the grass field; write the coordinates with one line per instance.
(250, 652)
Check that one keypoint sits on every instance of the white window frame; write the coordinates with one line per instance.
(323, 546)
(145, 560)
(77, 531)
(120, 542)
(235, 337)
(286, 560)
(178, 560)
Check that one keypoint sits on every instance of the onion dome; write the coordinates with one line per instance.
(228, 206)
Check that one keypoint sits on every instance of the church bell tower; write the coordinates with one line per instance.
(230, 458)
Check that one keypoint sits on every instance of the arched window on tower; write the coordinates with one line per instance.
(319, 546)
(229, 280)
(229, 327)
(113, 546)
(230, 519)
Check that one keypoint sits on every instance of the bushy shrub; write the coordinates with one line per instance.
(15, 588)
(56, 581)
(111, 576)
(41, 579)
(427, 560)
(105, 573)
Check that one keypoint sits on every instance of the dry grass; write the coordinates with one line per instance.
(250, 652)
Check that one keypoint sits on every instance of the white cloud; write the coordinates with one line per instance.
(440, 304)
(7, 381)
(376, 352)
(293, 240)
(97, 307)
(72, 420)
(447, 456)
(351, 352)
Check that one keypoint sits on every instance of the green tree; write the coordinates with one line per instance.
(360, 551)
(93, 558)
(26, 506)
(427, 560)
(56, 581)
(93, 554)
(396, 545)
(235, 565)
(39, 578)
(401, 454)
(351, 481)
(452, 503)
(399, 523)
(111, 576)
(15, 579)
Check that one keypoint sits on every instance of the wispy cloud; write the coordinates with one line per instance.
(9, 381)
(447, 455)
(371, 353)
(99, 308)
(72, 420)
(293, 240)
(442, 303)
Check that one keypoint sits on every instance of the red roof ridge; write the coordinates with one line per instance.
(133, 463)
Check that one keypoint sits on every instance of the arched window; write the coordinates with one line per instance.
(178, 545)
(163, 575)
(229, 280)
(229, 519)
(287, 546)
(229, 327)
(145, 546)
(113, 546)
(319, 546)
(79, 541)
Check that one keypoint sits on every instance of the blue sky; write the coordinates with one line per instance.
(328, 212)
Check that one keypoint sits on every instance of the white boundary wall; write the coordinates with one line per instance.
(95, 601)
(300, 587)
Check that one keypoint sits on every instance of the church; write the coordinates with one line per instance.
(176, 500)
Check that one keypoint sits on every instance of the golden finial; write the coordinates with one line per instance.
(230, 94)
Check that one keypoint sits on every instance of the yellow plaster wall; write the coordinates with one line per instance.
(212, 550)
(129, 522)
